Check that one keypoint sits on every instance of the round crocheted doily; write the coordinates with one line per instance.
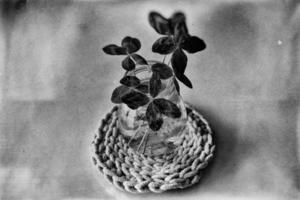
(137, 173)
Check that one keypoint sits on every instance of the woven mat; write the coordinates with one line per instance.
(137, 173)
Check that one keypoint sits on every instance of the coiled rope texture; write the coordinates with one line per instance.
(137, 173)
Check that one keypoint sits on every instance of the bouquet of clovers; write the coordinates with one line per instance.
(176, 40)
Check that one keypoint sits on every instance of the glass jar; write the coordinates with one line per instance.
(134, 126)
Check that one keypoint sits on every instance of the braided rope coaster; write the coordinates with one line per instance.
(137, 173)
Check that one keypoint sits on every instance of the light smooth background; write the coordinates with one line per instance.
(55, 86)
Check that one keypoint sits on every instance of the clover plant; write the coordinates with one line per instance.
(175, 40)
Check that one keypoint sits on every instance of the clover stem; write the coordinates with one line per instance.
(164, 58)
(169, 62)
(142, 141)
(132, 137)
(149, 70)
(146, 141)
(133, 61)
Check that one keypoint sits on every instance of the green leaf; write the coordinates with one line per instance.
(167, 108)
(180, 32)
(128, 64)
(155, 84)
(113, 49)
(160, 24)
(118, 93)
(177, 85)
(131, 44)
(139, 59)
(193, 44)
(164, 45)
(154, 117)
(134, 99)
(144, 88)
(182, 78)
(163, 70)
(179, 62)
(130, 81)
(176, 17)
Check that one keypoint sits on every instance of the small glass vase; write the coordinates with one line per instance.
(133, 125)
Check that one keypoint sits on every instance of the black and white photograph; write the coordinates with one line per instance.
(149, 99)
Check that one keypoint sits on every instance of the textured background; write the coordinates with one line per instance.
(55, 85)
